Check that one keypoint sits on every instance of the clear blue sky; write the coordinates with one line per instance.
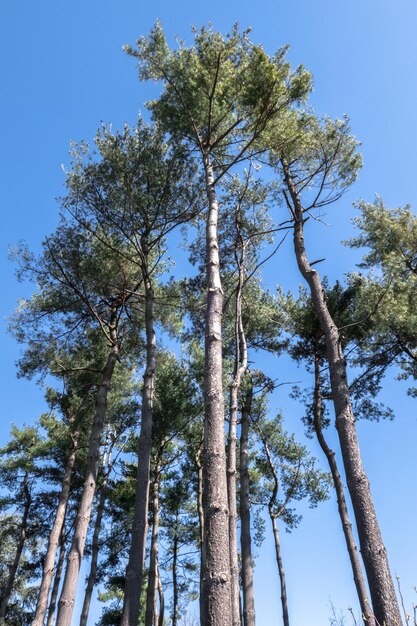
(63, 71)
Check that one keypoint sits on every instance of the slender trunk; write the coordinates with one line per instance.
(273, 515)
(19, 548)
(281, 571)
(57, 580)
(381, 586)
(152, 591)
(175, 607)
(245, 531)
(200, 511)
(161, 600)
(134, 570)
(217, 594)
(239, 370)
(54, 537)
(341, 502)
(106, 467)
(75, 555)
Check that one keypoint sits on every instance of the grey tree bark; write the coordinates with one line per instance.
(384, 601)
(75, 555)
(134, 570)
(245, 518)
(161, 616)
(54, 537)
(19, 549)
(151, 616)
(57, 579)
(91, 581)
(354, 557)
(217, 592)
(175, 594)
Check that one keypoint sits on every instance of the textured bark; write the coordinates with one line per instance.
(75, 555)
(358, 576)
(19, 548)
(217, 594)
(57, 580)
(384, 601)
(91, 581)
(245, 531)
(134, 570)
(175, 595)
(152, 591)
(54, 537)
(201, 532)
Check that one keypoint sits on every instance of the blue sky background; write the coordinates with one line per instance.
(63, 71)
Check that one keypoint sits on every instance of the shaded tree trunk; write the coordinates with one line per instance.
(217, 593)
(152, 591)
(75, 555)
(161, 601)
(381, 586)
(19, 549)
(175, 595)
(54, 537)
(91, 581)
(134, 570)
(245, 531)
(201, 532)
(57, 580)
(341, 502)
(240, 365)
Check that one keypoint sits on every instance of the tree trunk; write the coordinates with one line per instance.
(175, 607)
(19, 548)
(57, 580)
(281, 571)
(201, 532)
(75, 555)
(54, 537)
(341, 502)
(245, 531)
(381, 586)
(106, 467)
(217, 593)
(152, 591)
(239, 370)
(161, 600)
(134, 570)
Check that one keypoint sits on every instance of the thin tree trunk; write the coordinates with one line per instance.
(106, 469)
(381, 586)
(67, 598)
(161, 601)
(281, 571)
(19, 548)
(273, 515)
(239, 369)
(54, 537)
(217, 593)
(200, 511)
(57, 580)
(151, 594)
(175, 607)
(341, 502)
(134, 570)
(245, 531)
